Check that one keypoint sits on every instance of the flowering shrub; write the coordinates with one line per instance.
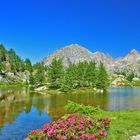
(73, 127)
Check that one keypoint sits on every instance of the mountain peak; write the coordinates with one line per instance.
(134, 51)
(75, 46)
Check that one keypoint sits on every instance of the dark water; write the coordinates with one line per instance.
(22, 111)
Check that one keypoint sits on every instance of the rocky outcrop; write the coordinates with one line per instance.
(119, 80)
(41, 88)
(129, 63)
(76, 53)
(135, 137)
(9, 77)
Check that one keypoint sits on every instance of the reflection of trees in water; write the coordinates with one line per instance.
(55, 103)
(14, 101)
(38, 101)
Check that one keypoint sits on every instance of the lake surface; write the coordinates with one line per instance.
(22, 111)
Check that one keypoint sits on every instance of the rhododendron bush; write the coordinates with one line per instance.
(73, 127)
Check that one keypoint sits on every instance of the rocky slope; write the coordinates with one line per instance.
(12, 67)
(76, 53)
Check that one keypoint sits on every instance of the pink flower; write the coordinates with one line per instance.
(28, 138)
(44, 129)
(92, 136)
(76, 137)
(83, 136)
(105, 134)
(39, 131)
(100, 132)
(33, 131)
(64, 137)
(106, 120)
(48, 134)
(90, 126)
(58, 136)
(87, 136)
(71, 134)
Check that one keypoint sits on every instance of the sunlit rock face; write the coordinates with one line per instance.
(129, 63)
(75, 53)
(70, 55)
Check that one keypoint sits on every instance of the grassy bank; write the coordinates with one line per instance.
(9, 85)
(124, 124)
(57, 91)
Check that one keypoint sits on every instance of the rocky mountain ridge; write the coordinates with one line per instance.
(75, 53)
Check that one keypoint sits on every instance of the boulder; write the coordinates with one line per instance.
(118, 81)
(135, 137)
(41, 88)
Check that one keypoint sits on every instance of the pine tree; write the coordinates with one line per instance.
(39, 74)
(55, 73)
(81, 73)
(70, 78)
(102, 77)
(32, 80)
(91, 74)
(14, 61)
(3, 53)
(28, 65)
(130, 77)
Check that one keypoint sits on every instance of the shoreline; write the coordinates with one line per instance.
(119, 127)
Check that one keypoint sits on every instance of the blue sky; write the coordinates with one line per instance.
(36, 28)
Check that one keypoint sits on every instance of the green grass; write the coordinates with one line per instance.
(124, 124)
(8, 85)
(47, 91)
(56, 91)
(83, 90)
(136, 83)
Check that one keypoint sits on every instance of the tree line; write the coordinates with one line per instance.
(83, 74)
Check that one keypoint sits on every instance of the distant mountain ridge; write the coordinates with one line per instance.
(75, 53)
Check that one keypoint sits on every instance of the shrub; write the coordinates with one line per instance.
(81, 109)
(73, 127)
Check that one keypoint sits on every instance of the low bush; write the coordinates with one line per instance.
(73, 127)
(82, 109)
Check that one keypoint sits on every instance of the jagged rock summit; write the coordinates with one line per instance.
(70, 54)
(75, 53)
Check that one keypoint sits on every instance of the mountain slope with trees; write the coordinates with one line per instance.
(69, 68)
(75, 53)
(12, 68)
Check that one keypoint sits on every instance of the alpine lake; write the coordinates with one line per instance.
(22, 111)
